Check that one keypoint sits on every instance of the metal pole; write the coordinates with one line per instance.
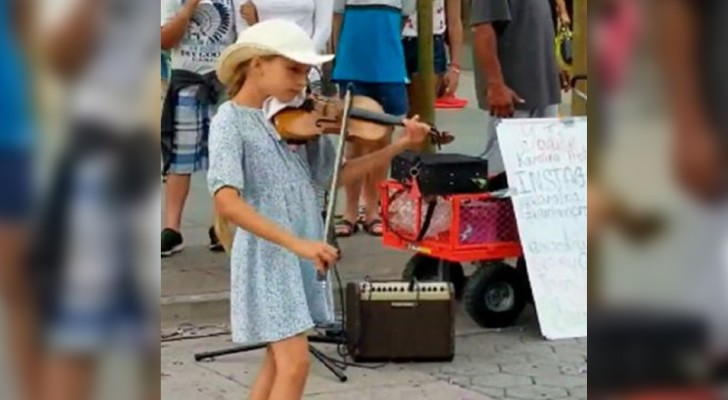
(424, 81)
(579, 105)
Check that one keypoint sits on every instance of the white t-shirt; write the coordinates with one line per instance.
(439, 23)
(211, 30)
(313, 16)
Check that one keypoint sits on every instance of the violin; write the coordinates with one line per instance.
(323, 115)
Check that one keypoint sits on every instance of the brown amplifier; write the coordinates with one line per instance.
(400, 321)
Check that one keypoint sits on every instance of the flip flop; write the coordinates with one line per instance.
(349, 228)
(450, 102)
(369, 227)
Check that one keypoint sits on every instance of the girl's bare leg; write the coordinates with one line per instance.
(17, 297)
(264, 382)
(292, 364)
(69, 377)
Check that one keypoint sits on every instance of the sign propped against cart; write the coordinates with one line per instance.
(546, 165)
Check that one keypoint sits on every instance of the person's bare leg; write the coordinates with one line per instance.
(69, 377)
(353, 193)
(292, 363)
(178, 186)
(263, 384)
(17, 296)
(153, 366)
(370, 190)
(411, 97)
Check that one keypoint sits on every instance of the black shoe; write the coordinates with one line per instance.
(215, 244)
(171, 242)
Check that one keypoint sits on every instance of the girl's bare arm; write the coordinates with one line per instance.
(233, 208)
(173, 31)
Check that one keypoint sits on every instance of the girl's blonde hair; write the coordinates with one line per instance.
(241, 73)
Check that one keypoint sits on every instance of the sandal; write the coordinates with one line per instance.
(345, 228)
(374, 227)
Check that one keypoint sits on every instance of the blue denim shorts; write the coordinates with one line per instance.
(410, 54)
(391, 96)
(16, 186)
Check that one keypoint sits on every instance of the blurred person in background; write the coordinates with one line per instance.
(16, 171)
(370, 57)
(195, 32)
(95, 285)
(695, 60)
(448, 46)
(516, 74)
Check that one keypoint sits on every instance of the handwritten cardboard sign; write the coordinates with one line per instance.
(545, 161)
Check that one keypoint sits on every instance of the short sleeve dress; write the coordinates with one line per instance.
(274, 293)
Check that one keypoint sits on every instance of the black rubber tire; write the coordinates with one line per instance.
(424, 268)
(483, 282)
(521, 268)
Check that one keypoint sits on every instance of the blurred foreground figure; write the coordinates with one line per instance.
(695, 60)
(95, 225)
(681, 344)
(16, 139)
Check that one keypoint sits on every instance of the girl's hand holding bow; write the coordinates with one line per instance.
(415, 132)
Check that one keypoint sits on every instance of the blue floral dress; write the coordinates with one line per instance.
(274, 293)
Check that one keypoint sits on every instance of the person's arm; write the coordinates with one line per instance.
(175, 23)
(563, 12)
(453, 15)
(322, 23)
(488, 16)
(678, 44)
(337, 20)
(700, 159)
(69, 45)
(353, 170)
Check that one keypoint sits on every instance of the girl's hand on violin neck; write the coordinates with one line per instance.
(415, 132)
(322, 254)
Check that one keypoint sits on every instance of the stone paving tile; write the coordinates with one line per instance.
(517, 364)
(535, 392)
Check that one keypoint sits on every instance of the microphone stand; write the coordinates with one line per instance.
(339, 338)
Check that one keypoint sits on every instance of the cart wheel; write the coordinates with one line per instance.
(425, 268)
(495, 295)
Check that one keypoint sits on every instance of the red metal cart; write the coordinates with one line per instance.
(465, 228)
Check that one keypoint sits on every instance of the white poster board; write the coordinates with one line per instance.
(545, 161)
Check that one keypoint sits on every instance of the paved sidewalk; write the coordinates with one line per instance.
(510, 364)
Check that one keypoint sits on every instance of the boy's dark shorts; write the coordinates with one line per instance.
(391, 96)
(16, 186)
(410, 45)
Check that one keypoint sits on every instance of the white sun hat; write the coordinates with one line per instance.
(270, 37)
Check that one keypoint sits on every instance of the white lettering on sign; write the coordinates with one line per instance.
(545, 160)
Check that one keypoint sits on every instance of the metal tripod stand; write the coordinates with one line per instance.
(339, 338)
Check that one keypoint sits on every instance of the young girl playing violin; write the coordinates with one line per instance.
(265, 187)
